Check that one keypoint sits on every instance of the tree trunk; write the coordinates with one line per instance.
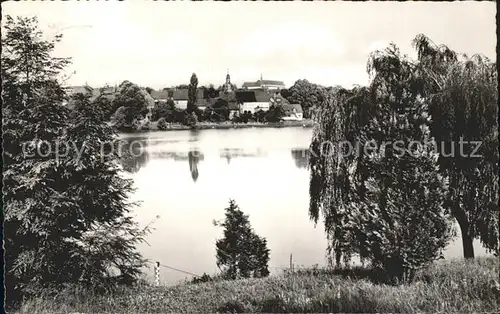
(467, 244)
(338, 258)
(467, 239)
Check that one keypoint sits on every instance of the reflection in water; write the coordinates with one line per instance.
(194, 158)
(133, 154)
(230, 153)
(136, 152)
(301, 157)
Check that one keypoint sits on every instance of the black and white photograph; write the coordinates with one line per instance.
(250, 157)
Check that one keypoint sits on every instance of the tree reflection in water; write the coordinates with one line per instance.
(194, 157)
(133, 154)
(301, 158)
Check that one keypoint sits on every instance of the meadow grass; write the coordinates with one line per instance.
(455, 286)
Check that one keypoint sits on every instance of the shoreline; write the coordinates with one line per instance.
(223, 126)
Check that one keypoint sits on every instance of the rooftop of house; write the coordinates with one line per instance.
(263, 82)
(77, 89)
(107, 92)
(245, 96)
(261, 95)
(183, 94)
(160, 94)
(231, 104)
(252, 96)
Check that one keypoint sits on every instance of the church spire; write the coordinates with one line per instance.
(227, 86)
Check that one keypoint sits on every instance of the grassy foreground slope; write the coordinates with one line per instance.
(446, 286)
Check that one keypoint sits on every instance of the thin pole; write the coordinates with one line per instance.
(291, 262)
(157, 273)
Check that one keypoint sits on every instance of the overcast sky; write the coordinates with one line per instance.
(160, 44)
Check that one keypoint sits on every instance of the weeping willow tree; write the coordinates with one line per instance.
(371, 201)
(452, 97)
(463, 97)
(339, 118)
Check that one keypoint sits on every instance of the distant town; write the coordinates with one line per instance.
(250, 99)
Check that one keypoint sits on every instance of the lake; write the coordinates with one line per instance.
(185, 179)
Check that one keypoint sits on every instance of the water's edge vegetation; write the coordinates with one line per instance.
(153, 126)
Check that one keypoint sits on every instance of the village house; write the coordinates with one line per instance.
(293, 112)
(181, 97)
(253, 101)
(255, 96)
(70, 91)
(161, 96)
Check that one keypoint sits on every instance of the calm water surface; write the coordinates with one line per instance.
(185, 179)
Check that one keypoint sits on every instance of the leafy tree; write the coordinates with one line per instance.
(285, 93)
(160, 110)
(171, 104)
(26, 65)
(241, 252)
(260, 116)
(176, 116)
(192, 89)
(221, 110)
(105, 103)
(276, 99)
(339, 119)
(135, 102)
(308, 95)
(25, 120)
(207, 114)
(400, 222)
(275, 113)
(463, 99)
(107, 242)
(168, 111)
(118, 118)
(379, 205)
(190, 119)
(149, 90)
(212, 92)
(65, 212)
(244, 117)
